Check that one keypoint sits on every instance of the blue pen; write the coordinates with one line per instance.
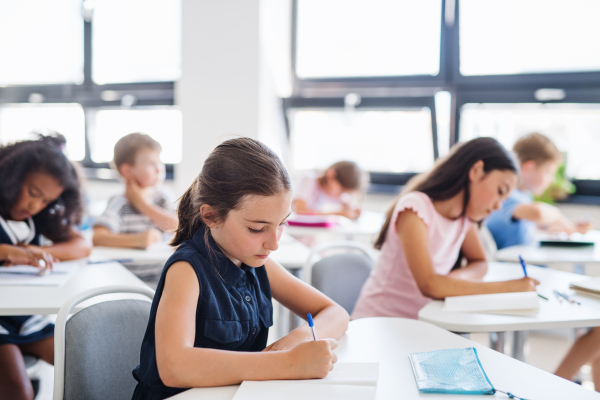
(523, 265)
(312, 326)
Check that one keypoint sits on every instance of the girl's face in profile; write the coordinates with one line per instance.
(488, 191)
(37, 191)
(248, 235)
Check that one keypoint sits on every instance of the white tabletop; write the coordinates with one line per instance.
(553, 314)
(547, 255)
(369, 223)
(291, 253)
(389, 341)
(27, 300)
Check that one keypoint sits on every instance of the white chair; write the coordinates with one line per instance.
(98, 347)
(339, 270)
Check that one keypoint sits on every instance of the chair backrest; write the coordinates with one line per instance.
(341, 276)
(101, 346)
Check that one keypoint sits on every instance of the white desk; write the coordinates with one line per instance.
(291, 253)
(553, 314)
(368, 224)
(27, 300)
(389, 341)
(547, 255)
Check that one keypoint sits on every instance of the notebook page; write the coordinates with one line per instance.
(293, 390)
(26, 275)
(523, 303)
(357, 374)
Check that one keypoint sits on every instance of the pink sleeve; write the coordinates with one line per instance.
(419, 203)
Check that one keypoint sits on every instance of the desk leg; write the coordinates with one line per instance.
(497, 340)
(518, 345)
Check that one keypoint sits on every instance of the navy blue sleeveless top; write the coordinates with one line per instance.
(234, 311)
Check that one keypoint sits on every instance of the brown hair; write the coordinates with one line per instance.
(537, 148)
(234, 170)
(347, 173)
(127, 148)
(450, 175)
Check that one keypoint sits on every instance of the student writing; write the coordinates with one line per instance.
(432, 221)
(212, 310)
(39, 196)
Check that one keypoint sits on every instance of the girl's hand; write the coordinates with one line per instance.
(16, 255)
(584, 226)
(289, 341)
(525, 284)
(312, 359)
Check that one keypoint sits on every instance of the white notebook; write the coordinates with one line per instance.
(590, 287)
(345, 381)
(26, 275)
(293, 390)
(520, 303)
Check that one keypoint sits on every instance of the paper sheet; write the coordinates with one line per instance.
(26, 275)
(292, 390)
(520, 303)
(358, 374)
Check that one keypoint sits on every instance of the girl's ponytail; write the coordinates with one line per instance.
(188, 215)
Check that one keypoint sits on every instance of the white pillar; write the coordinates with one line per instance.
(218, 92)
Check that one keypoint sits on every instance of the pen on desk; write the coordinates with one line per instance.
(312, 326)
(543, 297)
(558, 296)
(571, 300)
(119, 260)
(523, 265)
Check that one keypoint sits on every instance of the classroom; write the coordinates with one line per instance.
(290, 199)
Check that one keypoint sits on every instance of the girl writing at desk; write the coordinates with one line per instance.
(39, 196)
(433, 221)
(212, 310)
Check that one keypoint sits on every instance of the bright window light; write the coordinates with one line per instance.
(136, 41)
(367, 38)
(23, 121)
(41, 42)
(574, 128)
(164, 125)
(534, 36)
(382, 141)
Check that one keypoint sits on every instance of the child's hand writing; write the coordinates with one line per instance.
(289, 341)
(525, 284)
(16, 255)
(584, 226)
(313, 359)
(350, 212)
(148, 238)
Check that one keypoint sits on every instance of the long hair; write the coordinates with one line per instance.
(44, 155)
(450, 175)
(235, 169)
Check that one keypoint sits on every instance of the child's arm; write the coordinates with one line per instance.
(299, 207)
(105, 237)
(72, 249)
(544, 215)
(165, 220)
(415, 243)
(472, 250)
(17, 255)
(331, 320)
(180, 364)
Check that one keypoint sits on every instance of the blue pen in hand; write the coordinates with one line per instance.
(523, 265)
(312, 326)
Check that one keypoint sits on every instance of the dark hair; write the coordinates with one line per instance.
(348, 174)
(127, 148)
(43, 155)
(234, 170)
(450, 175)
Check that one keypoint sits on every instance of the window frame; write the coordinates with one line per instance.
(88, 94)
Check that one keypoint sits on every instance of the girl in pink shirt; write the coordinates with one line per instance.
(432, 223)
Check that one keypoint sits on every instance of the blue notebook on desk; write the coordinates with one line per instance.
(451, 371)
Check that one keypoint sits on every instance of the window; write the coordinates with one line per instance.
(379, 140)
(523, 37)
(41, 42)
(163, 124)
(22, 121)
(357, 38)
(136, 41)
(574, 128)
